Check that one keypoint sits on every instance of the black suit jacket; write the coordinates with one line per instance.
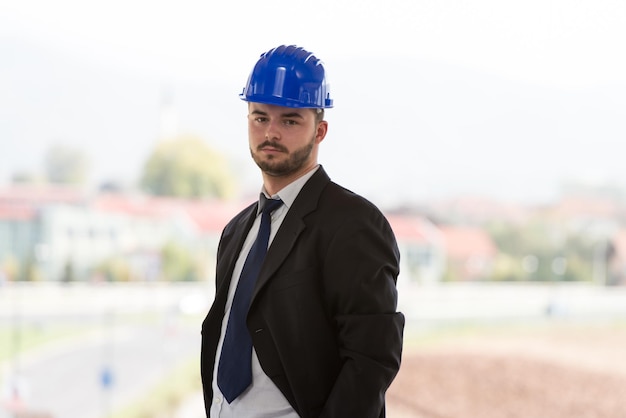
(323, 314)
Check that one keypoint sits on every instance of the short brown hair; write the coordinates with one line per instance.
(319, 115)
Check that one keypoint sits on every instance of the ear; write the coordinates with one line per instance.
(322, 129)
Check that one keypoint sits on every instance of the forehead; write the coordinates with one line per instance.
(273, 110)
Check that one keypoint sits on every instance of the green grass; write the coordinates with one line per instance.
(23, 337)
(162, 399)
(30, 336)
(456, 331)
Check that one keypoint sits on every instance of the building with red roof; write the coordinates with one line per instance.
(470, 252)
(421, 248)
(55, 229)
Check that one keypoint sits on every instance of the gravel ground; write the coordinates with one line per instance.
(547, 372)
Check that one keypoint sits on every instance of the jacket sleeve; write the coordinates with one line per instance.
(360, 271)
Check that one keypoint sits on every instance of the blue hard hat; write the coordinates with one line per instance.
(288, 76)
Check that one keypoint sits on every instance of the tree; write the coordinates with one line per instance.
(186, 167)
(179, 263)
(65, 165)
(115, 269)
(68, 275)
(30, 272)
(25, 177)
(540, 250)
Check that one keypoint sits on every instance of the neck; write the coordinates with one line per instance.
(274, 184)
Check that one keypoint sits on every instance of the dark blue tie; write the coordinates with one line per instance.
(234, 372)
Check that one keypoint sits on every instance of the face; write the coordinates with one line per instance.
(284, 140)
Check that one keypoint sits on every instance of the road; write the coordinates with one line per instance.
(91, 376)
(66, 379)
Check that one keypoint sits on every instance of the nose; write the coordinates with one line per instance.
(272, 132)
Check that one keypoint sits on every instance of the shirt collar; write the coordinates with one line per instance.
(289, 193)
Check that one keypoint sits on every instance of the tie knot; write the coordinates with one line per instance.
(269, 205)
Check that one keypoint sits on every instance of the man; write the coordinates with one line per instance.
(318, 334)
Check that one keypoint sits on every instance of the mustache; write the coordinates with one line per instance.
(271, 144)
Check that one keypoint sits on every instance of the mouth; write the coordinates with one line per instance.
(271, 148)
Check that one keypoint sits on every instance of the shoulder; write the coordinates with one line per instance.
(327, 196)
(340, 199)
(341, 209)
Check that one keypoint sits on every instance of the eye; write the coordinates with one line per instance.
(260, 119)
(290, 122)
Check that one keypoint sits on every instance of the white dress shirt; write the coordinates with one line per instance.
(262, 399)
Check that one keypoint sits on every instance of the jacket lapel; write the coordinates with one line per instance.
(232, 242)
(292, 227)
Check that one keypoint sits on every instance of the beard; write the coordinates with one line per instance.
(274, 168)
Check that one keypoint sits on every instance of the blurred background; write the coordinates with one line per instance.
(490, 133)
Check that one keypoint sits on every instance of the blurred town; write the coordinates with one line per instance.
(104, 287)
(93, 281)
(168, 230)
(458, 119)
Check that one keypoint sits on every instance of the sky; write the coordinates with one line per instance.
(432, 99)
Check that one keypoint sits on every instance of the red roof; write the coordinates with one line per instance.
(412, 228)
(136, 205)
(21, 202)
(464, 241)
(589, 206)
(16, 213)
(40, 194)
(208, 216)
(213, 216)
